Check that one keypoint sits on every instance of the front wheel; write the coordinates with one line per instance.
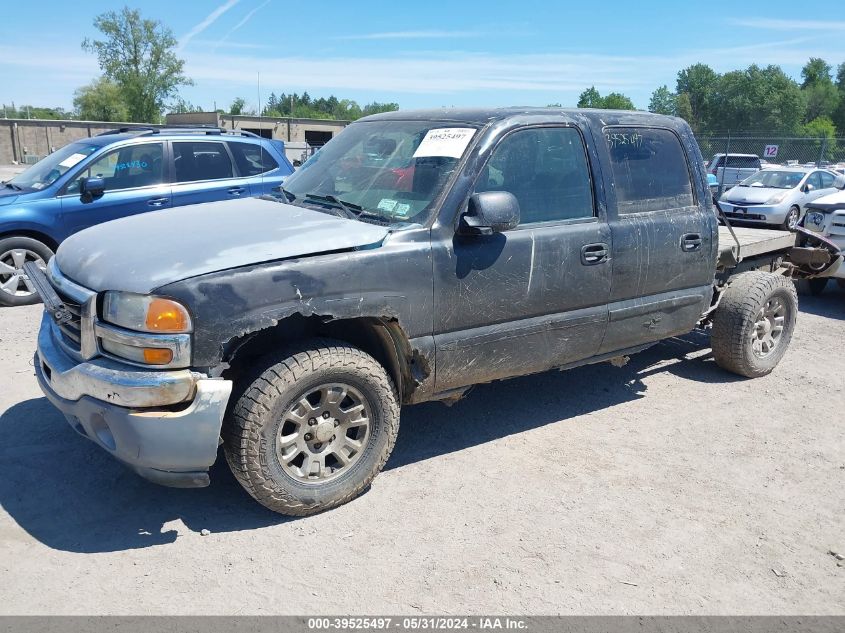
(314, 429)
(790, 223)
(754, 323)
(15, 287)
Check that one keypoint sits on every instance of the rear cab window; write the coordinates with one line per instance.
(650, 169)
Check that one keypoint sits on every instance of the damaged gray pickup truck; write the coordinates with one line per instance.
(417, 254)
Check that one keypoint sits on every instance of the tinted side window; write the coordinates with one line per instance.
(815, 180)
(126, 168)
(546, 169)
(649, 168)
(201, 161)
(827, 180)
(252, 159)
(744, 162)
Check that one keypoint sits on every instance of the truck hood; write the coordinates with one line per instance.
(149, 250)
(754, 195)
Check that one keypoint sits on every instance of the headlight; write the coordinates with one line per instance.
(777, 198)
(144, 313)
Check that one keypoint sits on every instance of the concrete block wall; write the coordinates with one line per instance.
(36, 138)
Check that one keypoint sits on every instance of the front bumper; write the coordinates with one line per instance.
(165, 425)
(757, 213)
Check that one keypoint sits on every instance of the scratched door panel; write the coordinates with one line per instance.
(518, 302)
(663, 238)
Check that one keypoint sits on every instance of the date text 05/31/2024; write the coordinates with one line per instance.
(424, 623)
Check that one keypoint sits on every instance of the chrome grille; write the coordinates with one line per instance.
(75, 335)
(71, 330)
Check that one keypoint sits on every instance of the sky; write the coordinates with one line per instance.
(423, 54)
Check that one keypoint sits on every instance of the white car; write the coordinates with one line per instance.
(778, 196)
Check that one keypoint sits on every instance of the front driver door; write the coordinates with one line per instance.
(534, 297)
(135, 183)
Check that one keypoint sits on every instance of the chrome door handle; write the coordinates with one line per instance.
(158, 202)
(592, 254)
(691, 242)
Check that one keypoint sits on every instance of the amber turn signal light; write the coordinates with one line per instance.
(156, 356)
(164, 315)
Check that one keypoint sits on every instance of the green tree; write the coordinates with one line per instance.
(815, 71)
(237, 106)
(101, 100)
(663, 102)
(819, 90)
(684, 109)
(618, 101)
(139, 56)
(824, 130)
(700, 83)
(839, 114)
(180, 106)
(756, 99)
(590, 98)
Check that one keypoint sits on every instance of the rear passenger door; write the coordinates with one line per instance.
(664, 241)
(534, 297)
(203, 171)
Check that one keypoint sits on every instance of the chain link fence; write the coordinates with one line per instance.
(778, 150)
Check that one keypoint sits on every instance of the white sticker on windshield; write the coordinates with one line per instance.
(71, 160)
(386, 204)
(446, 141)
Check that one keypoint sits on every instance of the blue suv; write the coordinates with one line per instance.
(120, 173)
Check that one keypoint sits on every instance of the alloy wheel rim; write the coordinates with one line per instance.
(768, 328)
(792, 220)
(323, 433)
(13, 279)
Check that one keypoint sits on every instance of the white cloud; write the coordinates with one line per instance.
(410, 35)
(248, 17)
(210, 19)
(774, 24)
(243, 21)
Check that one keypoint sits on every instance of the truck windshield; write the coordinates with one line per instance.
(384, 171)
(50, 168)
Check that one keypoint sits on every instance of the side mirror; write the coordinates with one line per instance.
(808, 188)
(90, 188)
(490, 212)
(839, 183)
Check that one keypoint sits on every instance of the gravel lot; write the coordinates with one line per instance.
(663, 487)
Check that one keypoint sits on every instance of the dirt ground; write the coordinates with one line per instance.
(663, 487)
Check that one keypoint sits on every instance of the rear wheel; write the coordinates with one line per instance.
(15, 287)
(314, 429)
(754, 323)
(792, 217)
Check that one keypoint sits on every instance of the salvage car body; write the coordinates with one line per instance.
(440, 306)
(826, 218)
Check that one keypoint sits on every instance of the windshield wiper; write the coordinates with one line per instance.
(13, 186)
(287, 194)
(352, 210)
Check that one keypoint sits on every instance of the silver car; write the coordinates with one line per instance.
(778, 196)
